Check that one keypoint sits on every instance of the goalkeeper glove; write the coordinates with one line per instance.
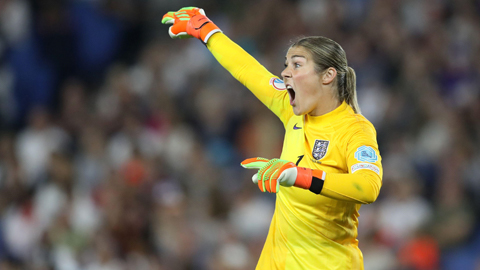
(273, 173)
(190, 22)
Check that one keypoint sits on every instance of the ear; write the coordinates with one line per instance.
(329, 75)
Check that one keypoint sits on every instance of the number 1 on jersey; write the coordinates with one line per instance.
(299, 159)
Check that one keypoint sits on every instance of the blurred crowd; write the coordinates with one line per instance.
(120, 148)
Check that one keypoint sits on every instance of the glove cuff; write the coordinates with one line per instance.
(304, 178)
(310, 179)
(201, 27)
(318, 179)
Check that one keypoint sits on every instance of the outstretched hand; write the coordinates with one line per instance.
(271, 173)
(190, 22)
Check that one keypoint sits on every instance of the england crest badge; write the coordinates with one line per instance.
(320, 149)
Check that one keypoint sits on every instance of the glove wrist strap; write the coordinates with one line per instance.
(318, 178)
(310, 179)
(202, 28)
(304, 178)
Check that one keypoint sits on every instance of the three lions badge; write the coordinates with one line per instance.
(320, 149)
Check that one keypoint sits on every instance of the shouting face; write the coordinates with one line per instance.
(306, 86)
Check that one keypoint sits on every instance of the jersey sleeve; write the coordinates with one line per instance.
(268, 88)
(363, 181)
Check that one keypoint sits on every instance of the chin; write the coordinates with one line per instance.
(297, 111)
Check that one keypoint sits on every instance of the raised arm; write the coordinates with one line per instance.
(269, 89)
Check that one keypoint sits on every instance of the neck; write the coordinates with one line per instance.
(325, 106)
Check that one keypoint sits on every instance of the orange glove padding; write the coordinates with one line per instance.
(190, 22)
(273, 173)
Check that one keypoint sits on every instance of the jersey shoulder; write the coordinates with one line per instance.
(354, 123)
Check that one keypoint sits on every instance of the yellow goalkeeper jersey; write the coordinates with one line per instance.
(310, 231)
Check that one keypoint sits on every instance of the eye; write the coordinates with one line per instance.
(296, 65)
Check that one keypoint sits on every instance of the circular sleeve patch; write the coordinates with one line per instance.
(277, 84)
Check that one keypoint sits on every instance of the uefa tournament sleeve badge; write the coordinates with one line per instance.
(277, 84)
(320, 149)
(366, 154)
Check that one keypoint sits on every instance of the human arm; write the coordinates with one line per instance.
(360, 183)
(247, 70)
(268, 88)
(361, 187)
(363, 179)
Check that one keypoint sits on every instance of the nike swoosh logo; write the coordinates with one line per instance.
(295, 127)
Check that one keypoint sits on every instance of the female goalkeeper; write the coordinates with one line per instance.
(330, 163)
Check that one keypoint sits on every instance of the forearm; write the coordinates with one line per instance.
(248, 71)
(361, 187)
(235, 59)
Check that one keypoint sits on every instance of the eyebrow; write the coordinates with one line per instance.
(296, 55)
(293, 56)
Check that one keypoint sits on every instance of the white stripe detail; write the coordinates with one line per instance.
(365, 166)
(210, 34)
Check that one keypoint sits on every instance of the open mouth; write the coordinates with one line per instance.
(291, 93)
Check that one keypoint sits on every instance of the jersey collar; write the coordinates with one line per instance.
(329, 117)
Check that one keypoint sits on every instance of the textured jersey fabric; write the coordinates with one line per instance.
(310, 231)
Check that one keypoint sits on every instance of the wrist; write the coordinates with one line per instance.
(208, 32)
(202, 27)
(318, 179)
(304, 178)
(310, 179)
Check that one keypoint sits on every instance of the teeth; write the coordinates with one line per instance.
(289, 87)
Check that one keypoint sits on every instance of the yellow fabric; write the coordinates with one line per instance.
(310, 231)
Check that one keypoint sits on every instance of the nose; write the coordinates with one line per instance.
(286, 73)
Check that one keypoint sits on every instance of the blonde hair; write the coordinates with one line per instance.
(328, 53)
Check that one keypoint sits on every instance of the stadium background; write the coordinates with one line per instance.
(120, 148)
